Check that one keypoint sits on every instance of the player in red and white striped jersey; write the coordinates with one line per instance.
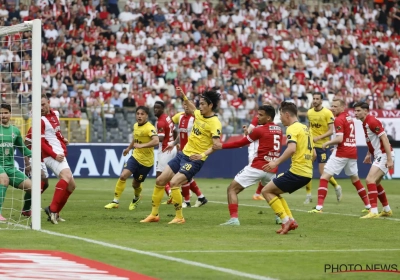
(344, 156)
(251, 150)
(267, 138)
(54, 152)
(379, 147)
(185, 121)
(165, 130)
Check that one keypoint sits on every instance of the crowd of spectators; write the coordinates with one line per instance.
(100, 59)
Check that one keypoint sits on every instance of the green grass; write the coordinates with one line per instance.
(86, 217)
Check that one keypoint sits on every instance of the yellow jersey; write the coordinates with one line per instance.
(319, 124)
(143, 134)
(203, 131)
(302, 159)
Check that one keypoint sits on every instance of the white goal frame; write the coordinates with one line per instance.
(36, 27)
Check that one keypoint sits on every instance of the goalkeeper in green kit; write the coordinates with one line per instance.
(10, 138)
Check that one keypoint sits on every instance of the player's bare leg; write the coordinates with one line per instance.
(119, 188)
(233, 203)
(3, 189)
(272, 195)
(374, 178)
(158, 194)
(137, 186)
(64, 188)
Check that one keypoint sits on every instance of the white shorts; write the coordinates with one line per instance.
(335, 165)
(43, 168)
(380, 162)
(249, 176)
(56, 166)
(163, 158)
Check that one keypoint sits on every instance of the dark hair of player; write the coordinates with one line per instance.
(362, 105)
(45, 96)
(144, 108)
(289, 107)
(211, 97)
(160, 103)
(319, 93)
(341, 101)
(6, 106)
(269, 110)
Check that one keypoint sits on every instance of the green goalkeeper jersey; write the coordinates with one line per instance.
(10, 137)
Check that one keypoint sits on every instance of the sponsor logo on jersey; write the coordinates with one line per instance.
(315, 125)
(6, 145)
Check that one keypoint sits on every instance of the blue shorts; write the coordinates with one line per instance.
(138, 170)
(322, 155)
(289, 182)
(182, 164)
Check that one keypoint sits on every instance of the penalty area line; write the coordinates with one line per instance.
(281, 251)
(159, 256)
(305, 211)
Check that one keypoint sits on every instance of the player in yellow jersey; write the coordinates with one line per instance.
(145, 138)
(300, 149)
(206, 131)
(321, 128)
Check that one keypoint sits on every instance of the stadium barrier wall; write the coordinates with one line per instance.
(107, 161)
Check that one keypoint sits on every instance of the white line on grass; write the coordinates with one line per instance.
(305, 211)
(282, 251)
(156, 255)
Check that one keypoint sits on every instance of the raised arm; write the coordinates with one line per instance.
(190, 105)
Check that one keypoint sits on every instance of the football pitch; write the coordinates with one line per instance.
(201, 249)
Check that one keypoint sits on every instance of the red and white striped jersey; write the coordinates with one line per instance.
(373, 130)
(165, 127)
(52, 139)
(185, 125)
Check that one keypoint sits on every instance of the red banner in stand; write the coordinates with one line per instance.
(395, 114)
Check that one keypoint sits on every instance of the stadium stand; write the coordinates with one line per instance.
(100, 60)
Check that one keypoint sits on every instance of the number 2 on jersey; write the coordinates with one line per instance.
(352, 130)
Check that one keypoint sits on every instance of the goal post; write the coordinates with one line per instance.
(35, 27)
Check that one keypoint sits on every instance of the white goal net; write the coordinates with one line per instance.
(20, 90)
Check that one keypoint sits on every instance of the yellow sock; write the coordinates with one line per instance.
(177, 201)
(138, 191)
(309, 187)
(333, 182)
(119, 189)
(278, 208)
(286, 207)
(156, 198)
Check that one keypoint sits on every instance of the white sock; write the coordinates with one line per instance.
(386, 208)
(116, 200)
(368, 206)
(318, 207)
(285, 220)
(308, 195)
(187, 201)
(201, 196)
(374, 210)
(256, 194)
